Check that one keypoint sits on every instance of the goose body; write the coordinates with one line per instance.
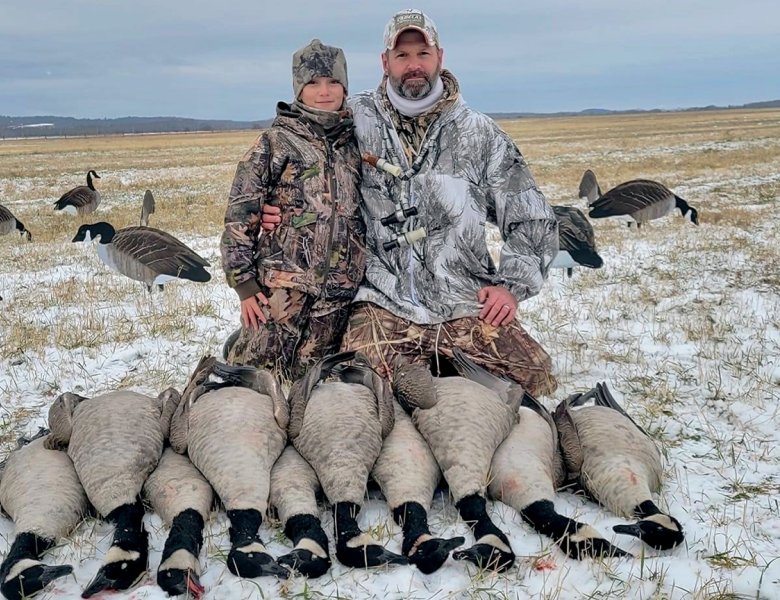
(81, 200)
(180, 494)
(615, 461)
(642, 200)
(338, 427)
(115, 441)
(589, 187)
(294, 486)
(577, 242)
(233, 433)
(42, 494)
(463, 422)
(9, 223)
(145, 254)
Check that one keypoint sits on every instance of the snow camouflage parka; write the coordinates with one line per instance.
(471, 173)
(307, 176)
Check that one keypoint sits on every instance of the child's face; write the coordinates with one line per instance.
(323, 93)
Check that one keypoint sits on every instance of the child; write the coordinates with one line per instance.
(295, 283)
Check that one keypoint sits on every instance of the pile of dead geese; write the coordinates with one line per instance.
(232, 434)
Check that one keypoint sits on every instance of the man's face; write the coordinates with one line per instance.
(412, 66)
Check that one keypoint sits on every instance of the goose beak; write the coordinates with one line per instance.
(633, 530)
(98, 584)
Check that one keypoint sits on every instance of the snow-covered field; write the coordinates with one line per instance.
(682, 321)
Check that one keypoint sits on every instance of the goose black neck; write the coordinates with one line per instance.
(20, 226)
(90, 185)
(186, 534)
(26, 545)
(306, 526)
(244, 525)
(413, 519)
(129, 531)
(681, 204)
(105, 230)
(542, 516)
(646, 509)
(473, 510)
(345, 517)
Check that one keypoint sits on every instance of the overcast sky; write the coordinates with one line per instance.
(230, 59)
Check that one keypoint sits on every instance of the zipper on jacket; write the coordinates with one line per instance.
(330, 174)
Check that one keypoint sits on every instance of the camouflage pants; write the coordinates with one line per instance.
(505, 351)
(301, 329)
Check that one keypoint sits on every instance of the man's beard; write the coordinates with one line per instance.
(414, 85)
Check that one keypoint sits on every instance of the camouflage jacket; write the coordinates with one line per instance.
(319, 247)
(470, 173)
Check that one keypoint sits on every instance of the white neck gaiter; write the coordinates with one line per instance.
(412, 108)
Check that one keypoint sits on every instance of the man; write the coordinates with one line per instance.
(430, 282)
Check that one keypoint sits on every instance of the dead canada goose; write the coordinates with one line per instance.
(145, 254)
(115, 441)
(147, 208)
(9, 223)
(528, 467)
(617, 463)
(589, 187)
(82, 200)
(233, 432)
(576, 241)
(294, 486)
(41, 492)
(642, 200)
(338, 427)
(463, 422)
(182, 497)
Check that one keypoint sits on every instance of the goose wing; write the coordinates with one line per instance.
(629, 197)
(509, 391)
(571, 445)
(161, 252)
(364, 374)
(78, 197)
(6, 215)
(603, 397)
(259, 380)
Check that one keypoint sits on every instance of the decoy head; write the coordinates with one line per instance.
(659, 531)
(694, 216)
(94, 174)
(89, 232)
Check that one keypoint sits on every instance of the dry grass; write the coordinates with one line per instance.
(684, 323)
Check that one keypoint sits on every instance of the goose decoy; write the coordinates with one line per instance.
(234, 431)
(180, 494)
(589, 187)
(338, 427)
(81, 200)
(147, 208)
(294, 487)
(642, 200)
(42, 494)
(576, 241)
(617, 463)
(145, 254)
(463, 422)
(9, 223)
(115, 441)
(528, 467)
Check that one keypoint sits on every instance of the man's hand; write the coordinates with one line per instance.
(251, 313)
(499, 307)
(272, 216)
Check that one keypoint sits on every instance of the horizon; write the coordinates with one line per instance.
(98, 60)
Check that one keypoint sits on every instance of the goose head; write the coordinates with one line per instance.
(92, 231)
(179, 575)
(92, 173)
(659, 531)
(28, 577)
(584, 541)
(687, 209)
(122, 570)
(25, 233)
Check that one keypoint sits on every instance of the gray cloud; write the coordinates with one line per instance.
(232, 60)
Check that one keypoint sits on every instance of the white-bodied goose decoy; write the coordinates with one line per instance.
(463, 422)
(528, 467)
(9, 223)
(182, 497)
(115, 441)
(589, 187)
(577, 243)
(642, 200)
(145, 254)
(338, 427)
(617, 463)
(41, 492)
(234, 431)
(81, 200)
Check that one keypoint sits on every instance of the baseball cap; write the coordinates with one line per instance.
(410, 18)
